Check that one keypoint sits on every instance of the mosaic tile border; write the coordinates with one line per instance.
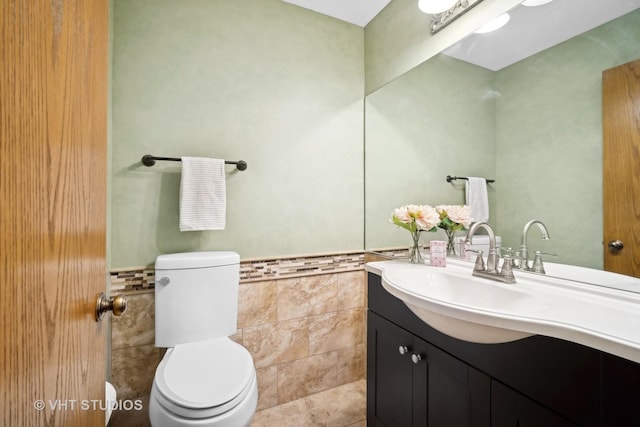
(137, 279)
(132, 279)
(258, 270)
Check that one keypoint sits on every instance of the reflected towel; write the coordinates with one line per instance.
(477, 198)
(203, 194)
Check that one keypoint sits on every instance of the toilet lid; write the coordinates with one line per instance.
(204, 374)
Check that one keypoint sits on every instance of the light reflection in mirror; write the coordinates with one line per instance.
(534, 125)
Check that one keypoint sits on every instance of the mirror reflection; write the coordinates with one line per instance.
(534, 126)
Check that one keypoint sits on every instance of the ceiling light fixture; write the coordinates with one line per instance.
(494, 24)
(444, 12)
(531, 3)
(435, 6)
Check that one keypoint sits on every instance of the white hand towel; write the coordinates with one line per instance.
(477, 198)
(203, 194)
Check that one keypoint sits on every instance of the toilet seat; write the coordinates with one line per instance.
(205, 378)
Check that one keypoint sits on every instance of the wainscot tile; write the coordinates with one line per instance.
(351, 364)
(307, 296)
(279, 342)
(307, 376)
(351, 288)
(136, 325)
(267, 387)
(133, 369)
(332, 331)
(257, 303)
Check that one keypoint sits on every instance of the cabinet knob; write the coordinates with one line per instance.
(403, 349)
(416, 358)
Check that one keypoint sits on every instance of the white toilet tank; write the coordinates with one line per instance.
(479, 242)
(196, 296)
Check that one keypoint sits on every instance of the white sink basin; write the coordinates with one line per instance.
(446, 287)
(474, 309)
(465, 330)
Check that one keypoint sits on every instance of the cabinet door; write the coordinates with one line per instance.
(511, 409)
(390, 374)
(422, 387)
(458, 394)
(620, 392)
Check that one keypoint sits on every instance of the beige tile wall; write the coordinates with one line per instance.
(306, 335)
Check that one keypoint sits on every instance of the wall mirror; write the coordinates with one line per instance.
(533, 124)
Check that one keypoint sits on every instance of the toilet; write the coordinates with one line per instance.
(204, 378)
(479, 242)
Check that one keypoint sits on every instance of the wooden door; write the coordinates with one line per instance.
(621, 167)
(53, 84)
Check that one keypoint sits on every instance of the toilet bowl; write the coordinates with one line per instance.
(204, 378)
(207, 383)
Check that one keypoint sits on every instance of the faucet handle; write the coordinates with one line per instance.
(509, 256)
(505, 251)
(507, 271)
(479, 266)
(518, 261)
(537, 266)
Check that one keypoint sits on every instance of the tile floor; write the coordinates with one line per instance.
(343, 406)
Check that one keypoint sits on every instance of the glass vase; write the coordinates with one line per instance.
(415, 250)
(451, 248)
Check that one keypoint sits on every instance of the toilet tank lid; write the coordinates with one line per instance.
(196, 260)
(480, 239)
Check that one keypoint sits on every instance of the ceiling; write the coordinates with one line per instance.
(533, 29)
(358, 12)
(530, 30)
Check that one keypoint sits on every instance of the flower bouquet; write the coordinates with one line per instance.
(453, 218)
(416, 219)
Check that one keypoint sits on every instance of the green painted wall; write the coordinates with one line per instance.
(437, 120)
(282, 88)
(549, 140)
(260, 80)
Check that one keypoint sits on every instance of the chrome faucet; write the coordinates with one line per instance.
(524, 250)
(491, 269)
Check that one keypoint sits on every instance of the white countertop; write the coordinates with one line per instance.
(455, 302)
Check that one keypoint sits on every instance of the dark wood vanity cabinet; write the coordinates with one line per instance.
(417, 384)
(510, 408)
(401, 384)
(533, 382)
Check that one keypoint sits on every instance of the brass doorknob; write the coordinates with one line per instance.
(117, 305)
(615, 245)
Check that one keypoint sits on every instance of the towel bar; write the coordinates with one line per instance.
(149, 160)
(453, 178)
